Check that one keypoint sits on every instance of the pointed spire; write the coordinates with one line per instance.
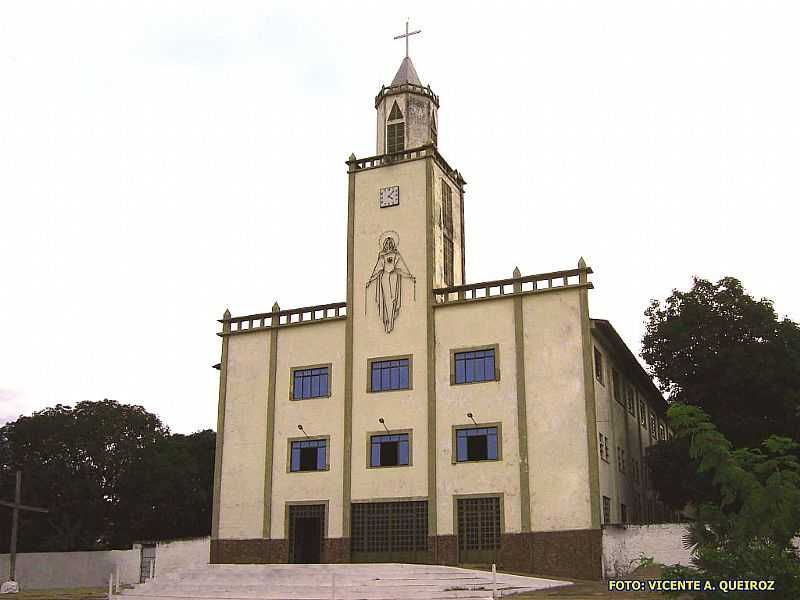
(581, 263)
(517, 273)
(406, 73)
(276, 307)
(226, 314)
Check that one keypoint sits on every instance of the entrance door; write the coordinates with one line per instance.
(148, 559)
(478, 530)
(306, 527)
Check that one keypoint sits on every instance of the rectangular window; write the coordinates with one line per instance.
(389, 529)
(309, 455)
(621, 459)
(389, 450)
(391, 374)
(606, 509)
(631, 401)
(642, 414)
(623, 513)
(476, 443)
(616, 383)
(652, 425)
(473, 366)
(662, 432)
(395, 137)
(603, 447)
(598, 366)
(310, 383)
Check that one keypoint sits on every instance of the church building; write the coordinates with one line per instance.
(425, 418)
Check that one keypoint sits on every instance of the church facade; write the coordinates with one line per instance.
(427, 419)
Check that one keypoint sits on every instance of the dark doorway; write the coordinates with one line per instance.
(306, 531)
(478, 530)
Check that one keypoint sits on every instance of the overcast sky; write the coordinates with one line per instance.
(161, 161)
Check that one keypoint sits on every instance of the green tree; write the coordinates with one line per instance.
(748, 534)
(718, 348)
(97, 466)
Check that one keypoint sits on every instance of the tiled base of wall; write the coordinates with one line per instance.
(571, 554)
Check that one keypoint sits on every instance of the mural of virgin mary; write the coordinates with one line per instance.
(387, 276)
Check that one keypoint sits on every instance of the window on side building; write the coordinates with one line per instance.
(474, 366)
(598, 366)
(642, 414)
(623, 513)
(616, 383)
(308, 455)
(606, 509)
(631, 400)
(390, 450)
(477, 443)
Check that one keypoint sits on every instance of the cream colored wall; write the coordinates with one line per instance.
(242, 487)
(556, 412)
(605, 425)
(403, 409)
(305, 345)
(465, 326)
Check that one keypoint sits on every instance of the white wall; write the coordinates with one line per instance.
(40, 570)
(71, 569)
(623, 545)
(180, 554)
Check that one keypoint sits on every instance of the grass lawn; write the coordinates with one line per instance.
(89, 593)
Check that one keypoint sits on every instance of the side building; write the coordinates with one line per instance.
(426, 419)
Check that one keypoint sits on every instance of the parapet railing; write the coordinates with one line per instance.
(282, 318)
(529, 284)
(407, 87)
(372, 162)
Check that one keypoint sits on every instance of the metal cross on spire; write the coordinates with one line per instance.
(407, 35)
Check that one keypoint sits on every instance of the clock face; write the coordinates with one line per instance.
(389, 196)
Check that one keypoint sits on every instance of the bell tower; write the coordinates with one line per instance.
(406, 110)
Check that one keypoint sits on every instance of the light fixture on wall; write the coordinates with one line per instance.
(469, 416)
(300, 427)
(380, 420)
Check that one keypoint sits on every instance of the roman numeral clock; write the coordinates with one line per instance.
(389, 196)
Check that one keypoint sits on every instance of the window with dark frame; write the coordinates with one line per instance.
(395, 131)
(631, 400)
(476, 443)
(391, 374)
(621, 459)
(389, 450)
(606, 510)
(642, 414)
(473, 366)
(652, 425)
(309, 455)
(310, 383)
(616, 383)
(603, 447)
(662, 432)
(598, 366)
(623, 513)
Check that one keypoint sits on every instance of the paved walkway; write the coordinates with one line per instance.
(326, 582)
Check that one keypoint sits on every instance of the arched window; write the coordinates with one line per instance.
(395, 131)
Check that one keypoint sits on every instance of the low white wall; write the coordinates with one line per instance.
(41, 570)
(179, 554)
(38, 570)
(623, 546)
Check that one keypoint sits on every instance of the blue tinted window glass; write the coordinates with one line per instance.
(323, 386)
(474, 366)
(310, 383)
(375, 455)
(492, 444)
(395, 378)
(376, 379)
(295, 457)
(385, 378)
(306, 387)
(459, 371)
(461, 448)
(403, 451)
(321, 455)
(490, 366)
